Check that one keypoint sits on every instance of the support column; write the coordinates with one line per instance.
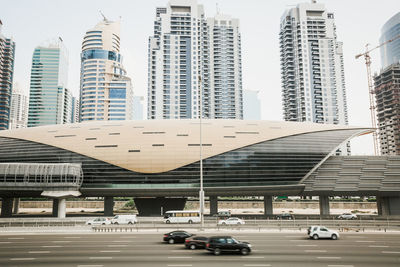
(62, 208)
(324, 205)
(16, 205)
(55, 207)
(6, 207)
(213, 205)
(108, 206)
(268, 209)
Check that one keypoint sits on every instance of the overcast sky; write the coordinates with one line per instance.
(32, 23)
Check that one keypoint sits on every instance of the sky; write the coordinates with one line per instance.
(358, 22)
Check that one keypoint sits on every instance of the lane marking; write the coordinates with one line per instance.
(256, 265)
(253, 257)
(121, 241)
(176, 265)
(90, 265)
(293, 236)
(179, 257)
(178, 250)
(110, 251)
(314, 250)
(329, 258)
(365, 241)
(297, 240)
(5, 242)
(52, 246)
(100, 258)
(16, 238)
(377, 246)
(115, 246)
(72, 237)
(21, 259)
(393, 252)
(39, 252)
(61, 241)
(306, 245)
(128, 236)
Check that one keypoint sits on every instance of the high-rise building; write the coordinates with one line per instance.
(7, 56)
(190, 56)
(177, 61)
(390, 53)
(49, 98)
(19, 108)
(387, 95)
(105, 91)
(225, 97)
(312, 71)
(75, 109)
(251, 105)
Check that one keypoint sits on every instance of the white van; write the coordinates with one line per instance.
(124, 219)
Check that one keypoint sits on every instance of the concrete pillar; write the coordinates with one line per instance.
(108, 206)
(213, 205)
(324, 205)
(62, 208)
(55, 207)
(6, 207)
(16, 206)
(268, 209)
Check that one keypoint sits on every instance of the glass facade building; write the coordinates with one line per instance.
(390, 53)
(106, 91)
(50, 101)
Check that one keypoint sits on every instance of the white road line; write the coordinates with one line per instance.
(365, 241)
(6, 242)
(39, 252)
(256, 265)
(177, 250)
(52, 246)
(72, 237)
(179, 257)
(392, 252)
(306, 245)
(110, 251)
(61, 241)
(121, 241)
(128, 236)
(297, 240)
(329, 258)
(293, 236)
(314, 250)
(21, 259)
(253, 257)
(377, 246)
(100, 258)
(90, 265)
(115, 246)
(176, 265)
(16, 238)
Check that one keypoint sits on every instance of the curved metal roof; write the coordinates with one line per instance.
(156, 146)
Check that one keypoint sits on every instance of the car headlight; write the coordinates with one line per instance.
(249, 245)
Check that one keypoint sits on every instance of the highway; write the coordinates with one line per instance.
(148, 250)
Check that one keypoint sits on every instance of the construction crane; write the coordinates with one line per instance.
(371, 87)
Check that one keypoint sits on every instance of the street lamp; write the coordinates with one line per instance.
(201, 192)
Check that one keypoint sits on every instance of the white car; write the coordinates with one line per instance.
(124, 219)
(347, 216)
(99, 221)
(317, 232)
(232, 220)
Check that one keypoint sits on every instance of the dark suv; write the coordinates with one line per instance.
(176, 237)
(218, 244)
(285, 216)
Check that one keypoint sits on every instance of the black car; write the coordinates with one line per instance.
(196, 242)
(176, 237)
(219, 244)
(285, 216)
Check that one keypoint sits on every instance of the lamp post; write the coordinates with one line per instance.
(201, 192)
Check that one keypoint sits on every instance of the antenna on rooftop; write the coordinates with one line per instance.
(104, 17)
(216, 6)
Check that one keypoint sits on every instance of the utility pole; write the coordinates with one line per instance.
(201, 192)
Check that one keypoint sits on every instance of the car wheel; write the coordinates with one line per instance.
(89, 224)
(171, 241)
(223, 223)
(238, 223)
(116, 223)
(103, 224)
(190, 221)
(217, 251)
(192, 246)
(167, 221)
(244, 251)
(315, 237)
(130, 223)
(334, 237)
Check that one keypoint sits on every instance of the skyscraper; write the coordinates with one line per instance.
(7, 56)
(177, 61)
(190, 56)
(225, 96)
(313, 83)
(19, 108)
(49, 98)
(75, 109)
(106, 91)
(390, 53)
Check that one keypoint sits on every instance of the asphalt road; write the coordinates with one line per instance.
(145, 249)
